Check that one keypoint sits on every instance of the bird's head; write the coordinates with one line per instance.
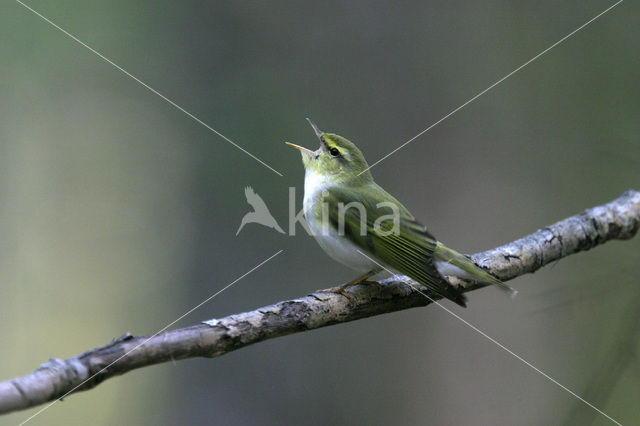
(337, 159)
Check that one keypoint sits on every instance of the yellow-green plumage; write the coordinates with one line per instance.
(410, 252)
(337, 174)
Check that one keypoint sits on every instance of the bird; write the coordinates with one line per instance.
(260, 213)
(337, 176)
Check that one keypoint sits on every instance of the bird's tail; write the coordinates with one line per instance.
(450, 262)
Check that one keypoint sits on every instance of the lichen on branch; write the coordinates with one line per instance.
(617, 220)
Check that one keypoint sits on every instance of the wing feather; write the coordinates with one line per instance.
(410, 251)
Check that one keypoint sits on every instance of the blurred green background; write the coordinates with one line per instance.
(118, 212)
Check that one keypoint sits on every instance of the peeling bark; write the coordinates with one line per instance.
(619, 219)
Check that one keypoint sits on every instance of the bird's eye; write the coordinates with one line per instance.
(334, 152)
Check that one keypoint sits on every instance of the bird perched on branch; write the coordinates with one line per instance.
(364, 227)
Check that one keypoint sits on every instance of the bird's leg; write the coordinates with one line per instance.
(363, 279)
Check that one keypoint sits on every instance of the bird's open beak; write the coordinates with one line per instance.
(318, 132)
(301, 148)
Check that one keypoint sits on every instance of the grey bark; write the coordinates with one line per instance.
(619, 219)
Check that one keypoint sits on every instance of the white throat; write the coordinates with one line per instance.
(314, 184)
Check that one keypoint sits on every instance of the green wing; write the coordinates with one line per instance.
(409, 250)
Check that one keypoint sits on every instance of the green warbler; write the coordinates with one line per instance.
(364, 227)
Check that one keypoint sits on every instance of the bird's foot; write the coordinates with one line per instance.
(341, 290)
(338, 290)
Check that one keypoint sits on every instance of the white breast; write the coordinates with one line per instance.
(336, 246)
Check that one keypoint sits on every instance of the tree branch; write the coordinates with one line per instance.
(619, 219)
